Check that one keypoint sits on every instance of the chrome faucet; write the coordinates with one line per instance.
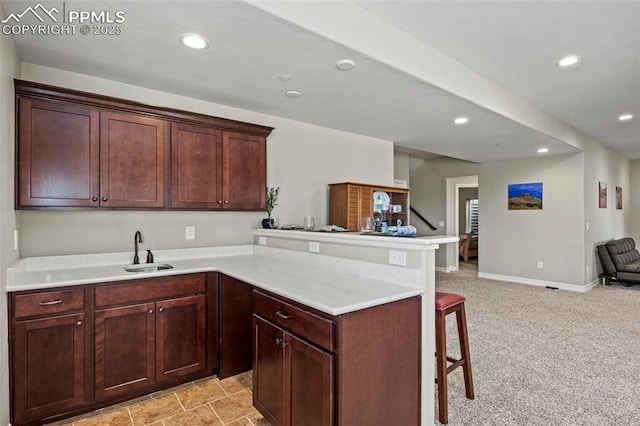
(137, 238)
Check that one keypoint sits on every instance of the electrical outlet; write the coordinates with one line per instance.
(539, 265)
(397, 258)
(441, 224)
(190, 233)
(588, 269)
(262, 241)
(314, 247)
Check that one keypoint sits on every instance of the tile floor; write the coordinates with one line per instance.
(209, 402)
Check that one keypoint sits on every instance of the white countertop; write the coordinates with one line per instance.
(355, 238)
(335, 286)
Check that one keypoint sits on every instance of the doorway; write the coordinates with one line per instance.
(455, 202)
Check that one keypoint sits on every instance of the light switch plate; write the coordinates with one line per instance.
(314, 247)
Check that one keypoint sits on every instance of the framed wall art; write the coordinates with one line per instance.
(602, 195)
(525, 196)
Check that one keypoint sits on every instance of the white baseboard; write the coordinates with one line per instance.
(540, 283)
(446, 269)
(593, 284)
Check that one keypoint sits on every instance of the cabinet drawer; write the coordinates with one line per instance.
(303, 323)
(149, 289)
(49, 302)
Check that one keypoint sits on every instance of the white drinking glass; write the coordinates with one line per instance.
(309, 223)
(366, 224)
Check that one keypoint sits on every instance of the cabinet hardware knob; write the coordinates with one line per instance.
(219, 201)
(226, 201)
(50, 302)
(278, 341)
(79, 323)
(284, 315)
(94, 198)
(160, 309)
(150, 311)
(104, 198)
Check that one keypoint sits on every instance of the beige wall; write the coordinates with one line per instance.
(429, 195)
(633, 200)
(604, 165)
(301, 159)
(9, 68)
(513, 241)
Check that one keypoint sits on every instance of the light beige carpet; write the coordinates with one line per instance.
(545, 357)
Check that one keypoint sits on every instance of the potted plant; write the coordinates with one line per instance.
(272, 198)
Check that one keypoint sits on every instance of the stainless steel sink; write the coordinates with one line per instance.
(148, 267)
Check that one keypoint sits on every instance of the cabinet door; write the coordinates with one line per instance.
(48, 363)
(180, 337)
(124, 349)
(244, 168)
(196, 167)
(132, 161)
(309, 383)
(269, 386)
(235, 326)
(58, 154)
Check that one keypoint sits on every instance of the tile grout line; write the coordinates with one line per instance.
(179, 402)
(215, 413)
(130, 415)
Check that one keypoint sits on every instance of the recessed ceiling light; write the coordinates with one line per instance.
(285, 77)
(567, 61)
(194, 41)
(625, 117)
(461, 120)
(293, 94)
(345, 64)
(543, 150)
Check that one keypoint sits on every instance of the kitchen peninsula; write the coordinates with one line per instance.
(328, 279)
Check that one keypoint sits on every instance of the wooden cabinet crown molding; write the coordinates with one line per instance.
(45, 91)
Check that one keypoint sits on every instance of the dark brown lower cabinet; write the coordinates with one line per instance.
(235, 326)
(180, 337)
(142, 344)
(48, 365)
(80, 348)
(314, 369)
(293, 379)
(125, 349)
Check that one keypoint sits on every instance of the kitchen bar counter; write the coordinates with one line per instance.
(318, 277)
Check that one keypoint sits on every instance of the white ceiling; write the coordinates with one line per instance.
(515, 44)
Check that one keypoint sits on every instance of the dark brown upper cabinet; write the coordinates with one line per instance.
(196, 169)
(244, 170)
(132, 153)
(77, 150)
(58, 154)
(215, 169)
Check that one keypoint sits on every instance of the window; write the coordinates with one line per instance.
(472, 216)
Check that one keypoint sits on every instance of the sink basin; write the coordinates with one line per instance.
(148, 267)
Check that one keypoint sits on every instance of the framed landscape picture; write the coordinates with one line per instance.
(525, 196)
(602, 195)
